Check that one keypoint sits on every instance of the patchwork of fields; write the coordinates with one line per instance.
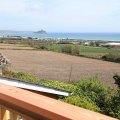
(87, 51)
(57, 66)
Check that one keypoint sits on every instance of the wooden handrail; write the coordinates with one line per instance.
(37, 107)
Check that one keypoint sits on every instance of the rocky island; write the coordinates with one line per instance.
(41, 32)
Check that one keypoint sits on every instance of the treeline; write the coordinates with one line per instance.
(66, 48)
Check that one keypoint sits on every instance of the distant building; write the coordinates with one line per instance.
(111, 44)
(87, 43)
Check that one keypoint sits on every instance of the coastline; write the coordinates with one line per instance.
(109, 37)
(59, 39)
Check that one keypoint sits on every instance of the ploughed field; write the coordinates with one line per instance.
(58, 66)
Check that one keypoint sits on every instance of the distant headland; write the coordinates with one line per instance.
(41, 32)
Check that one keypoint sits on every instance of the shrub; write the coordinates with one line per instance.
(71, 49)
(112, 57)
(33, 79)
(97, 44)
(23, 76)
(94, 90)
(6, 72)
(81, 102)
(66, 49)
(91, 43)
(64, 42)
(41, 46)
(117, 79)
(58, 85)
(113, 105)
(76, 50)
(31, 44)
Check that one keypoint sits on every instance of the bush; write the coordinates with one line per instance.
(33, 79)
(71, 49)
(23, 76)
(64, 42)
(117, 79)
(112, 57)
(81, 102)
(94, 90)
(66, 49)
(113, 105)
(58, 85)
(41, 46)
(76, 50)
(97, 44)
(6, 72)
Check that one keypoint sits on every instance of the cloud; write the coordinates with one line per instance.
(88, 15)
(62, 15)
(20, 7)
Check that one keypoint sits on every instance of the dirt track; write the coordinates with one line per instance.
(14, 47)
(57, 66)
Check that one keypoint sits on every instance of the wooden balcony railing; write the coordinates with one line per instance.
(18, 104)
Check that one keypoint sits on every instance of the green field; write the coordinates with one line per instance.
(86, 51)
(97, 52)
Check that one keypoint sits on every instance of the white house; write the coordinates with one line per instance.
(112, 44)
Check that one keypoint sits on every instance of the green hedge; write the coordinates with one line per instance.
(81, 102)
(70, 49)
(117, 79)
(112, 57)
(34, 79)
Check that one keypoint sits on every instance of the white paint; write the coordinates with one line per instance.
(112, 43)
(30, 86)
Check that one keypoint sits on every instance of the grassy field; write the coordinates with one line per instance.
(86, 51)
(97, 52)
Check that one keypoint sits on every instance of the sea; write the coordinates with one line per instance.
(78, 36)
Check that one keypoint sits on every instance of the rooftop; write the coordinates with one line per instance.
(34, 87)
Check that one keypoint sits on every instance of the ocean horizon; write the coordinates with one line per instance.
(78, 36)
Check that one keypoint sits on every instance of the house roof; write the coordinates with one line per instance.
(113, 43)
(35, 87)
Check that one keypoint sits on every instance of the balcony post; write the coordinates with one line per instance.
(4, 114)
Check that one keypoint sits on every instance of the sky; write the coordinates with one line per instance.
(60, 15)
